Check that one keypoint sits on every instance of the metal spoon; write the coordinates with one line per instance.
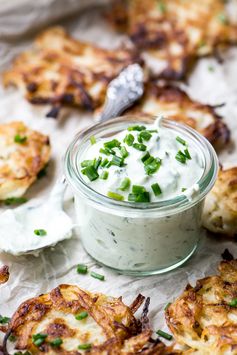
(18, 227)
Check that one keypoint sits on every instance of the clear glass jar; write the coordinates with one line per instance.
(138, 238)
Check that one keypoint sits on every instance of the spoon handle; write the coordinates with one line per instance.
(123, 91)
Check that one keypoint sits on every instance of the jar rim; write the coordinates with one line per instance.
(170, 206)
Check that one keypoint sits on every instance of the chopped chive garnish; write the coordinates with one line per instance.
(156, 189)
(104, 175)
(136, 128)
(86, 163)
(38, 339)
(137, 189)
(12, 338)
(186, 153)
(107, 151)
(129, 139)
(183, 189)
(145, 135)
(40, 232)
(4, 320)
(125, 184)
(118, 161)
(81, 315)
(233, 303)
(20, 139)
(124, 152)
(139, 146)
(112, 144)
(142, 197)
(97, 276)
(167, 306)
(164, 334)
(180, 140)
(211, 68)
(90, 172)
(56, 342)
(181, 157)
(223, 18)
(115, 196)
(104, 163)
(151, 165)
(152, 130)
(92, 140)
(15, 200)
(162, 7)
(84, 346)
(82, 269)
(145, 157)
(97, 163)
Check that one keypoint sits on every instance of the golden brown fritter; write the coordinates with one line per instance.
(23, 154)
(175, 104)
(108, 326)
(204, 317)
(220, 209)
(175, 31)
(60, 70)
(4, 274)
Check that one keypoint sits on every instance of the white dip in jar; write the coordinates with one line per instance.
(139, 187)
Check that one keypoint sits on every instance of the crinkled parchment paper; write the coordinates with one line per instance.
(30, 276)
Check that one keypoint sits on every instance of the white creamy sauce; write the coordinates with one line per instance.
(132, 240)
(172, 176)
(17, 225)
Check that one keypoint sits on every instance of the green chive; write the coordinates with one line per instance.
(82, 269)
(56, 342)
(4, 320)
(145, 135)
(90, 172)
(106, 151)
(104, 163)
(84, 346)
(152, 130)
(181, 157)
(136, 128)
(86, 163)
(20, 139)
(104, 175)
(112, 144)
(124, 152)
(15, 201)
(97, 163)
(180, 140)
(167, 306)
(139, 146)
(93, 140)
(129, 139)
(137, 189)
(164, 334)
(97, 276)
(40, 232)
(151, 165)
(183, 189)
(223, 18)
(81, 315)
(145, 157)
(142, 197)
(12, 338)
(156, 189)
(233, 303)
(39, 339)
(186, 153)
(162, 7)
(115, 196)
(118, 161)
(211, 68)
(125, 184)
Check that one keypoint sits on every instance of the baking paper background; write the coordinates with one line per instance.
(31, 276)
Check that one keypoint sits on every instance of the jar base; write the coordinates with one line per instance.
(140, 273)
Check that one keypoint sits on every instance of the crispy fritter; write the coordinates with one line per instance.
(4, 274)
(23, 154)
(204, 317)
(176, 31)
(220, 209)
(175, 104)
(110, 327)
(61, 70)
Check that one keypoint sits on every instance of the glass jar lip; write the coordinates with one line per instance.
(180, 202)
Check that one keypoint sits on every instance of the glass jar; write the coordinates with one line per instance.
(138, 238)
